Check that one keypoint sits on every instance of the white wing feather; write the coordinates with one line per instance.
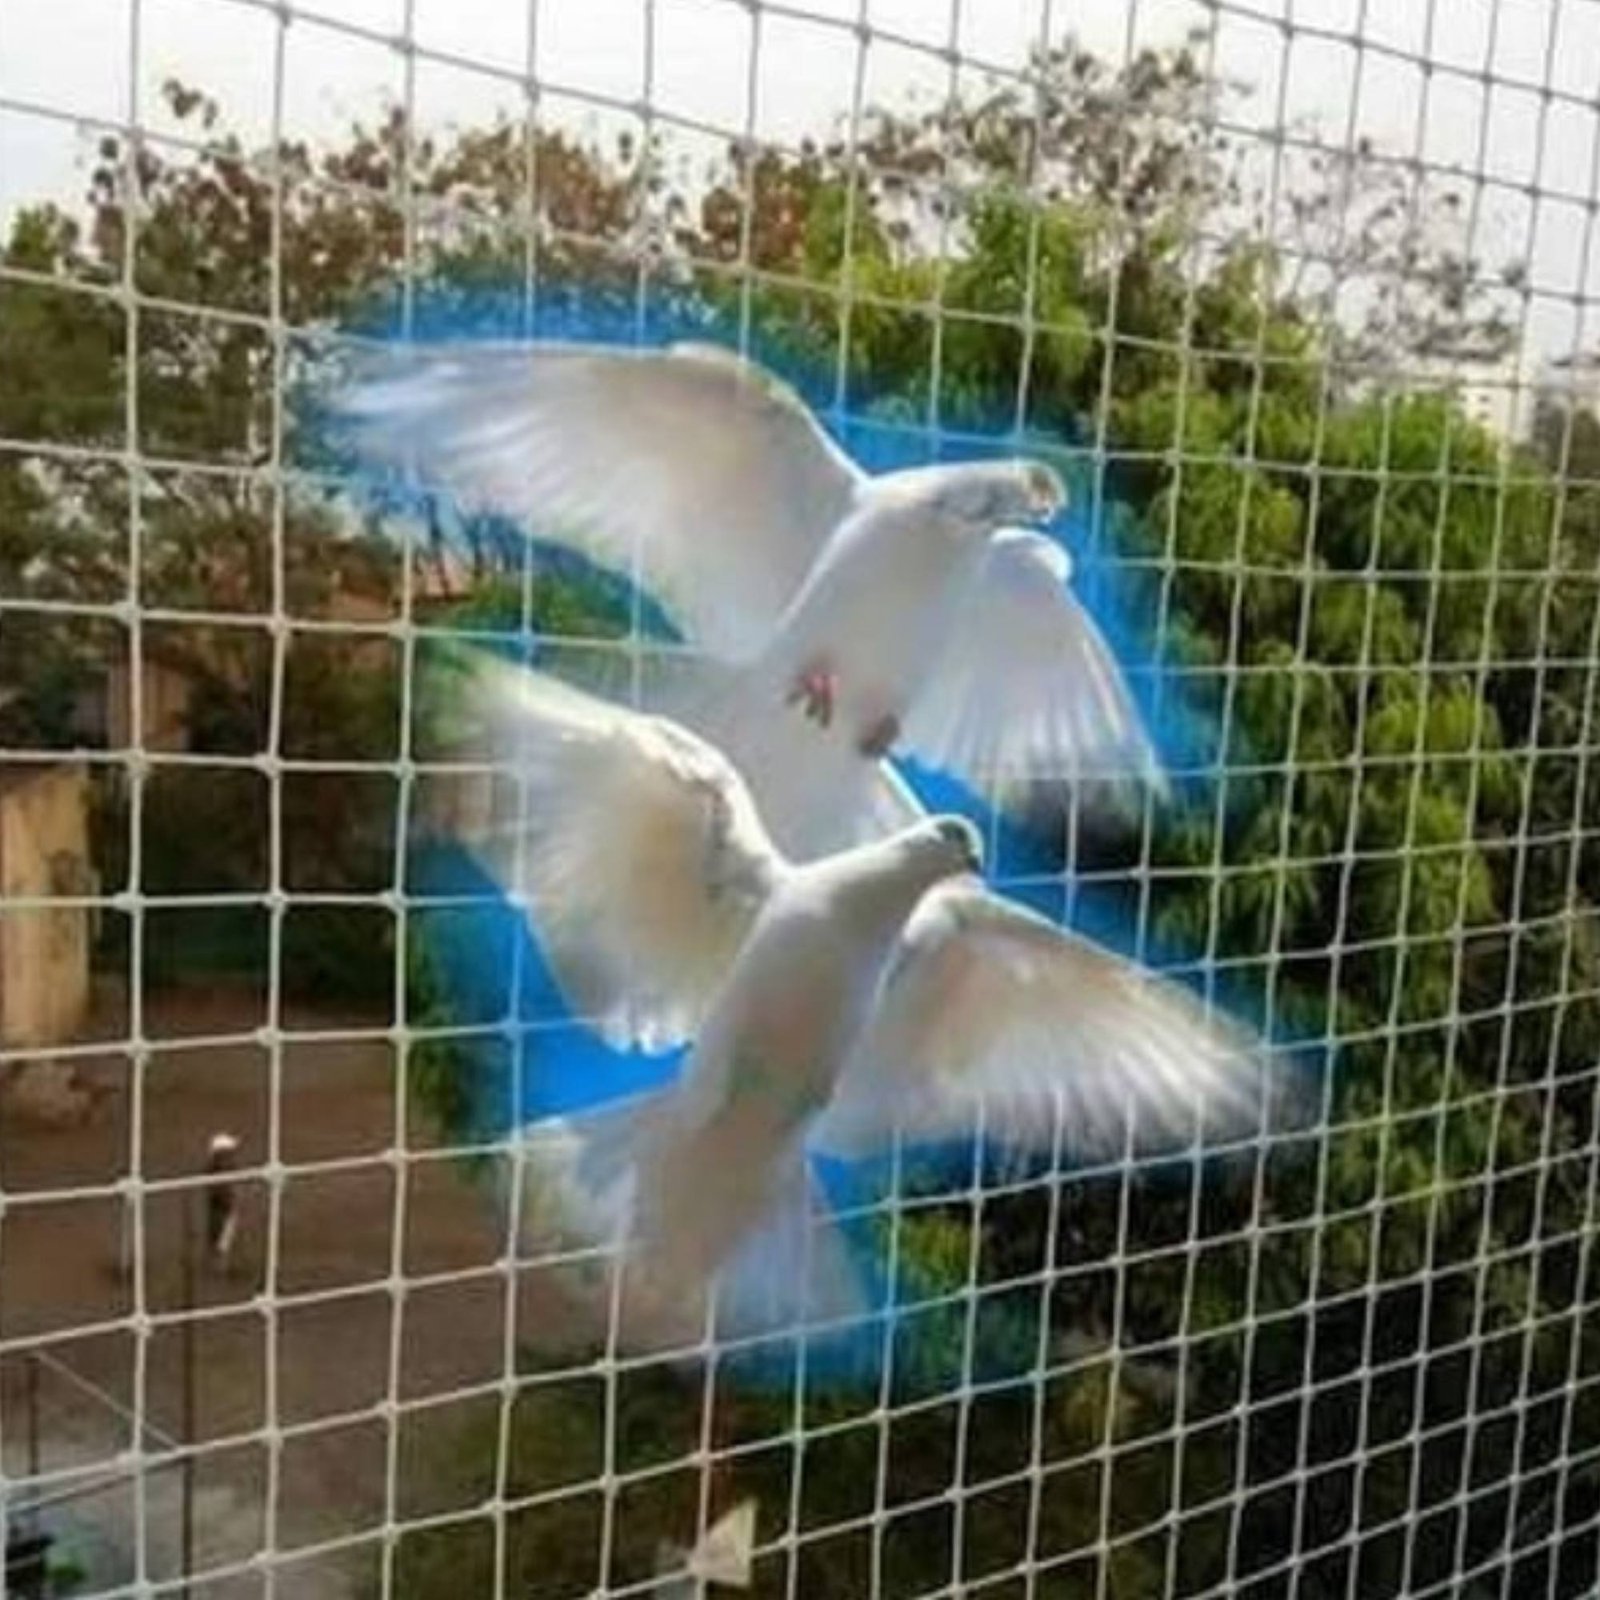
(688, 468)
(992, 1011)
(1025, 686)
(642, 861)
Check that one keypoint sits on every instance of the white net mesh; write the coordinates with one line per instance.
(1297, 294)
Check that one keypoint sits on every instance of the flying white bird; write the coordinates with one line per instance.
(840, 615)
(831, 1003)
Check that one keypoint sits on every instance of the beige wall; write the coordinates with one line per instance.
(44, 952)
(164, 700)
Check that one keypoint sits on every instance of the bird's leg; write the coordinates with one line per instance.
(815, 688)
(879, 739)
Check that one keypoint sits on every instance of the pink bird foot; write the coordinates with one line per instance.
(815, 690)
(881, 737)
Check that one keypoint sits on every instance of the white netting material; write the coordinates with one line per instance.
(90, 1442)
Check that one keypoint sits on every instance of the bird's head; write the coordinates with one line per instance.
(976, 495)
(888, 877)
(996, 493)
(950, 845)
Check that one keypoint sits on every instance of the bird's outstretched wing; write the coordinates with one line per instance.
(638, 851)
(996, 1021)
(687, 468)
(1026, 687)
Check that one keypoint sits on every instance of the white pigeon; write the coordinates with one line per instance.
(839, 615)
(831, 1003)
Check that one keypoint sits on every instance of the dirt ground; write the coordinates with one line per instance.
(329, 1358)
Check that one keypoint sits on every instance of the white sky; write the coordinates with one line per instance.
(74, 56)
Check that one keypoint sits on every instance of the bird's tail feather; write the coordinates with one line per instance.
(580, 1168)
(797, 1269)
(793, 1267)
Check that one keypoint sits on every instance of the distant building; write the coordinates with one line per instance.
(1494, 388)
(1576, 377)
(44, 950)
(1569, 385)
(166, 695)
